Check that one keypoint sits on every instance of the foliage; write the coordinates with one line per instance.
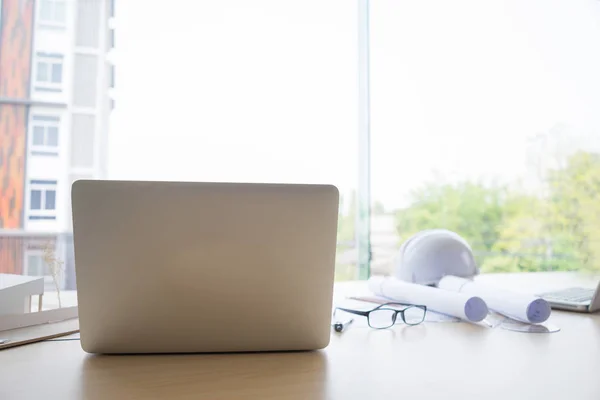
(557, 228)
(55, 267)
(469, 208)
(575, 207)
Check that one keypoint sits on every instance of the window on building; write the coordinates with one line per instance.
(36, 199)
(35, 263)
(44, 134)
(49, 72)
(53, 12)
(42, 200)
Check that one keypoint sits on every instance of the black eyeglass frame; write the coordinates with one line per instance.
(383, 307)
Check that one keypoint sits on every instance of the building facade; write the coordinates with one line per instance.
(55, 84)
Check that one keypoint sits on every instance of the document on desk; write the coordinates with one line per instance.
(431, 315)
(466, 307)
(522, 307)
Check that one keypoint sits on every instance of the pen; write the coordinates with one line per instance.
(340, 326)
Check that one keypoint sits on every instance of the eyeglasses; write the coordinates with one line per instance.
(384, 316)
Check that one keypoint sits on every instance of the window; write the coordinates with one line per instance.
(483, 116)
(53, 12)
(85, 73)
(111, 74)
(44, 134)
(111, 39)
(89, 27)
(294, 94)
(82, 140)
(42, 200)
(484, 122)
(49, 72)
(36, 199)
(35, 264)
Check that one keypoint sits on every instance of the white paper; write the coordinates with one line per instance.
(512, 325)
(470, 308)
(522, 307)
(431, 315)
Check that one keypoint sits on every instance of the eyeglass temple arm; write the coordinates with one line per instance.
(357, 312)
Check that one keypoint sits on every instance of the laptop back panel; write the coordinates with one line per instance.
(203, 267)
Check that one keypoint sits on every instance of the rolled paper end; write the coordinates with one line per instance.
(538, 311)
(476, 309)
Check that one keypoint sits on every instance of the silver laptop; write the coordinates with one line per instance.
(203, 267)
(574, 299)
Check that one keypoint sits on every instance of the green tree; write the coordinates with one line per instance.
(558, 231)
(574, 201)
(470, 209)
(523, 242)
(511, 230)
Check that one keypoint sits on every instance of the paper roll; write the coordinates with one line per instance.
(522, 307)
(470, 308)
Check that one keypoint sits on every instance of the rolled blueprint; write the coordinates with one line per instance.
(522, 307)
(470, 308)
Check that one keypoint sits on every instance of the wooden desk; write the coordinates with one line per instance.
(430, 361)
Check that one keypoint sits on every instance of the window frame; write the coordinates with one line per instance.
(43, 186)
(53, 22)
(39, 254)
(50, 60)
(45, 121)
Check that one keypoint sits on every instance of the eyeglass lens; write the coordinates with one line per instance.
(382, 318)
(414, 315)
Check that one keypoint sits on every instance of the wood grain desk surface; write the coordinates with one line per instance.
(430, 361)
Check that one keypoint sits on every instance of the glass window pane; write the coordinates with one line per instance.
(60, 11)
(50, 200)
(38, 135)
(42, 72)
(34, 265)
(52, 136)
(295, 107)
(56, 73)
(46, 10)
(36, 199)
(488, 126)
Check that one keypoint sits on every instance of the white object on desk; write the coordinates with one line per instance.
(470, 308)
(429, 255)
(17, 321)
(522, 307)
(16, 292)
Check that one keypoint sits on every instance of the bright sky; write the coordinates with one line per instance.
(266, 90)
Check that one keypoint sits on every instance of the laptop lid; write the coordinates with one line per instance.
(595, 304)
(203, 267)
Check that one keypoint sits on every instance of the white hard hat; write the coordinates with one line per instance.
(429, 255)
